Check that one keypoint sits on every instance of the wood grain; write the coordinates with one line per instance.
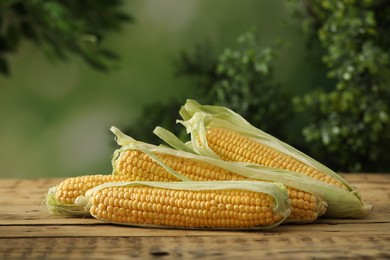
(28, 231)
(258, 246)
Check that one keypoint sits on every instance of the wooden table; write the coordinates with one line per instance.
(28, 231)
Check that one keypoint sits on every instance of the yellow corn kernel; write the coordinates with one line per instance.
(248, 150)
(138, 166)
(140, 205)
(68, 190)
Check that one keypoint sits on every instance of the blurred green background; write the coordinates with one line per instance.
(55, 116)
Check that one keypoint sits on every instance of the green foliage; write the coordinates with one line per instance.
(245, 84)
(345, 125)
(60, 28)
(350, 124)
(241, 78)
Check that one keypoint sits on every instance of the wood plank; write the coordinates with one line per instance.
(257, 246)
(27, 230)
(103, 229)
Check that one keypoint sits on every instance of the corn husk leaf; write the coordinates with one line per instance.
(172, 140)
(197, 118)
(277, 190)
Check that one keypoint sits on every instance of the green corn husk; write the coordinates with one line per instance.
(276, 190)
(197, 118)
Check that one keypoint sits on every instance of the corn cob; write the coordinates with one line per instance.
(264, 152)
(226, 205)
(139, 166)
(233, 146)
(221, 133)
(60, 199)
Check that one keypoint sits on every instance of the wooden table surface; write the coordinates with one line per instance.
(28, 231)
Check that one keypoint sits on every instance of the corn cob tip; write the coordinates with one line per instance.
(346, 205)
(322, 207)
(298, 215)
(60, 209)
